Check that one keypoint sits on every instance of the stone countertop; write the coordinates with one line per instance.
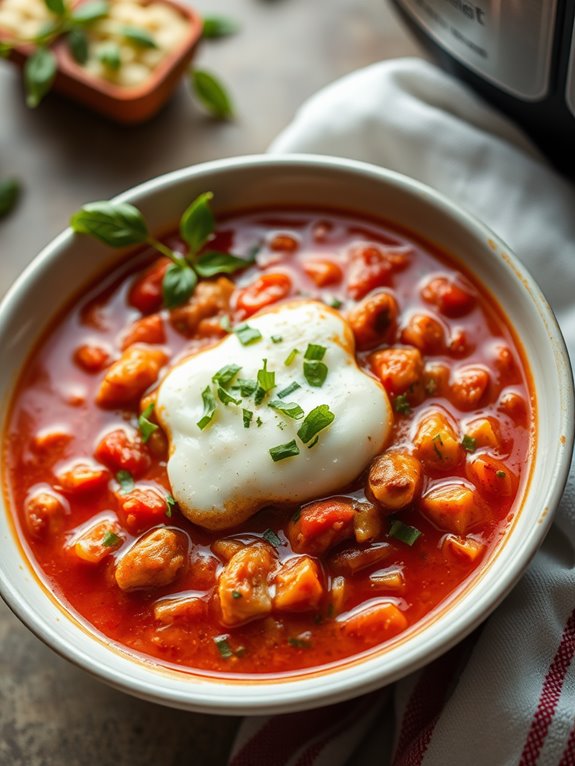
(52, 713)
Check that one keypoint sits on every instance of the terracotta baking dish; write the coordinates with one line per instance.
(128, 105)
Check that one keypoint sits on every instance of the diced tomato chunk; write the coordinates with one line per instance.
(369, 268)
(284, 243)
(121, 452)
(148, 329)
(321, 525)
(323, 271)
(262, 292)
(146, 292)
(374, 622)
(91, 358)
(82, 479)
(452, 295)
(143, 507)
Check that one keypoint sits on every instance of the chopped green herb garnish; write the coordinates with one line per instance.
(266, 381)
(247, 335)
(272, 538)
(315, 421)
(313, 443)
(291, 409)
(299, 642)
(259, 422)
(276, 338)
(500, 474)
(247, 416)
(315, 372)
(291, 356)
(225, 323)
(226, 398)
(437, 438)
(126, 481)
(244, 386)
(223, 647)
(110, 539)
(403, 532)
(334, 302)
(209, 408)
(284, 450)
(288, 390)
(402, 405)
(226, 374)
(296, 515)
(145, 426)
(170, 505)
(313, 351)
(468, 443)
(236, 594)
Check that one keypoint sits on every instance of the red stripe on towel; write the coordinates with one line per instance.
(550, 694)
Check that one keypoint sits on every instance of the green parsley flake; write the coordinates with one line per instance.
(226, 374)
(334, 302)
(209, 408)
(315, 421)
(272, 538)
(126, 481)
(300, 642)
(284, 450)
(170, 505)
(225, 323)
(402, 405)
(313, 443)
(236, 594)
(291, 409)
(500, 474)
(291, 356)
(403, 532)
(247, 335)
(247, 416)
(288, 390)
(145, 426)
(244, 386)
(110, 539)
(468, 443)
(259, 422)
(315, 352)
(223, 647)
(437, 439)
(276, 338)
(315, 372)
(226, 398)
(266, 381)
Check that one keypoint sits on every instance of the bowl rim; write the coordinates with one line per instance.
(277, 695)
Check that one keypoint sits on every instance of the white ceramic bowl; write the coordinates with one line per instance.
(69, 263)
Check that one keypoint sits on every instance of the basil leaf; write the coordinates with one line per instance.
(197, 222)
(226, 398)
(109, 55)
(225, 375)
(110, 539)
(315, 352)
(314, 372)
(291, 409)
(212, 94)
(288, 390)
(247, 335)
(116, 224)
(282, 451)
(247, 416)
(146, 427)
(139, 37)
(77, 41)
(178, 284)
(9, 193)
(56, 6)
(87, 13)
(213, 262)
(39, 74)
(403, 532)
(315, 421)
(218, 26)
(126, 481)
(209, 408)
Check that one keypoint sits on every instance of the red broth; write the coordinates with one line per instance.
(55, 423)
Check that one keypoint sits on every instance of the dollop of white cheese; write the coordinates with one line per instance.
(224, 473)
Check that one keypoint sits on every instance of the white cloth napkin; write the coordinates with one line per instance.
(506, 695)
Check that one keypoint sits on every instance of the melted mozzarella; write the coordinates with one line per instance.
(223, 474)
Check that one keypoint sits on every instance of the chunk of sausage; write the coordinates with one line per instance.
(263, 291)
(298, 586)
(211, 298)
(469, 387)
(374, 320)
(373, 266)
(425, 333)
(184, 609)
(399, 369)
(122, 452)
(321, 525)
(243, 585)
(491, 476)
(453, 507)
(452, 295)
(44, 513)
(128, 378)
(98, 541)
(148, 329)
(437, 442)
(394, 480)
(155, 560)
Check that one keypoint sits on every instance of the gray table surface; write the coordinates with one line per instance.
(51, 713)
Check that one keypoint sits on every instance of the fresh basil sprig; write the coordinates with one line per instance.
(119, 224)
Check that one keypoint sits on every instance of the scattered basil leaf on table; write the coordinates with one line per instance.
(114, 223)
(39, 74)
(9, 193)
(218, 26)
(77, 41)
(178, 284)
(211, 94)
